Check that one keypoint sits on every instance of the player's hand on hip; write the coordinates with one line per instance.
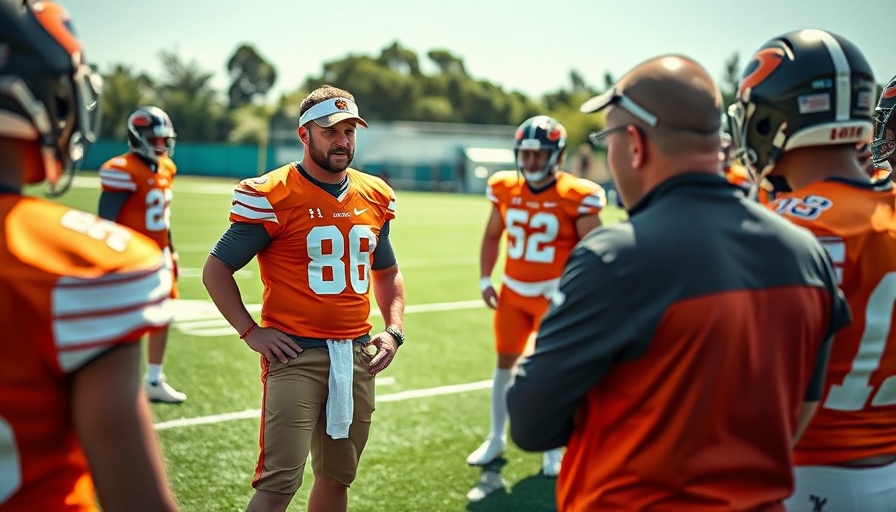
(273, 344)
(386, 347)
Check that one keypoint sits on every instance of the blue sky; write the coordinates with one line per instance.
(524, 45)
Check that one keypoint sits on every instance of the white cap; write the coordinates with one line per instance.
(331, 111)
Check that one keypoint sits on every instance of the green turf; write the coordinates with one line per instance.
(415, 459)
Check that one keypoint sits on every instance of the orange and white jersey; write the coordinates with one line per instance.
(148, 209)
(857, 225)
(316, 269)
(541, 227)
(72, 286)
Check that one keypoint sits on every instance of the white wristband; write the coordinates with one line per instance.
(485, 282)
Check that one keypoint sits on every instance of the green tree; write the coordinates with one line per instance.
(730, 80)
(186, 94)
(123, 92)
(251, 76)
(447, 62)
(400, 60)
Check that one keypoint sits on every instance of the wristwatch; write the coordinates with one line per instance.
(396, 335)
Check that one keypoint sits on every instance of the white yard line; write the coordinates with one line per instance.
(392, 397)
(202, 318)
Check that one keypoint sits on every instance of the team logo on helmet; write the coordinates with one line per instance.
(890, 91)
(141, 120)
(557, 132)
(763, 64)
(341, 104)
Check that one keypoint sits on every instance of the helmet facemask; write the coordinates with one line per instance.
(540, 133)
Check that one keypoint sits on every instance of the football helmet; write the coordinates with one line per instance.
(883, 146)
(803, 88)
(48, 93)
(540, 133)
(150, 133)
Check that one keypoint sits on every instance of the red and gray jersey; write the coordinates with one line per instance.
(677, 352)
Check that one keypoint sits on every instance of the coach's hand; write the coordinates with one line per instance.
(273, 344)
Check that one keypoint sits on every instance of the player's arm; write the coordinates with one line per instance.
(239, 244)
(593, 201)
(579, 338)
(111, 203)
(586, 223)
(488, 256)
(388, 288)
(112, 418)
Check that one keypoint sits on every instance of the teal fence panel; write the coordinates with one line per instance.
(198, 159)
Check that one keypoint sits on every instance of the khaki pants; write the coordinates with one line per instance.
(294, 421)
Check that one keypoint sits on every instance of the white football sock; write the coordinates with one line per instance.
(153, 372)
(499, 402)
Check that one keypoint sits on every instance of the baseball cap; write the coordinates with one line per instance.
(331, 111)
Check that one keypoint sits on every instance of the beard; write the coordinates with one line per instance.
(325, 159)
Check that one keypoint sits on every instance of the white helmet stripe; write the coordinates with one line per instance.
(841, 67)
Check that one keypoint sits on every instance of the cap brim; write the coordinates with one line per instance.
(598, 103)
(330, 120)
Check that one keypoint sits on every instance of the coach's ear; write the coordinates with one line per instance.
(303, 134)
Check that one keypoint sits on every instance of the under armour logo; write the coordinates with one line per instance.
(818, 502)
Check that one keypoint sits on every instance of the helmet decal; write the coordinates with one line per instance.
(760, 67)
(890, 91)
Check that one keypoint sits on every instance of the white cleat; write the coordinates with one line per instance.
(488, 451)
(489, 482)
(550, 465)
(160, 391)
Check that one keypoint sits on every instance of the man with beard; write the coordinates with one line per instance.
(320, 231)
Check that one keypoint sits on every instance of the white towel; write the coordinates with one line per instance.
(340, 403)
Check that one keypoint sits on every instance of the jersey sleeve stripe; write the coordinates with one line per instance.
(80, 340)
(87, 310)
(252, 200)
(591, 204)
(489, 193)
(115, 179)
(251, 214)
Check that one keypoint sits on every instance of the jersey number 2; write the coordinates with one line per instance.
(158, 213)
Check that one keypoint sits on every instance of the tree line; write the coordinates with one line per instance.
(389, 87)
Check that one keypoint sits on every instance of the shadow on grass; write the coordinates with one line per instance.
(534, 493)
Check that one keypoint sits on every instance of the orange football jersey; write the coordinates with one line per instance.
(857, 226)
(148, 209)
(72, 286)
(541, 227)
(316, 269)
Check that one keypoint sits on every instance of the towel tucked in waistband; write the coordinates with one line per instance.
(340, 402)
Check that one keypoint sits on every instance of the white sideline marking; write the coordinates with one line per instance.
(392, 397)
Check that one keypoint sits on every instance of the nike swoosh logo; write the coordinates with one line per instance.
(359, 212)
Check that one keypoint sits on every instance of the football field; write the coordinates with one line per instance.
(432, 405)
